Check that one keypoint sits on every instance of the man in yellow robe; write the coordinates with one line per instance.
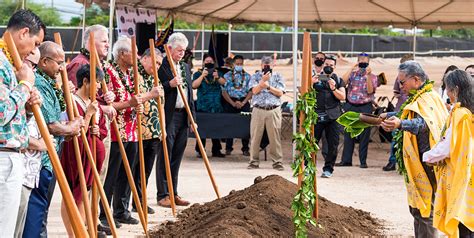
(421, 121)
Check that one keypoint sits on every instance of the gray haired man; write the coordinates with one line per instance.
(267, 88)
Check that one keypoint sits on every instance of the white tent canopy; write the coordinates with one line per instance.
(424, 14)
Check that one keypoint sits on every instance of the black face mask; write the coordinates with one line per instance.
(328, 70)
(319, 62)
(363, 65)
(209, 65)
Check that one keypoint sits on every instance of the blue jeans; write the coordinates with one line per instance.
(37, 206)
(392, 158)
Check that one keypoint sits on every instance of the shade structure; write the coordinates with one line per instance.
(425, 14)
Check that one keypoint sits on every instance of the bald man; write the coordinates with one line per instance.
(50, 64)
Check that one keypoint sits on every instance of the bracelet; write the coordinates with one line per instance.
(27, 84)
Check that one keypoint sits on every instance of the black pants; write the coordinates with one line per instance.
(363, 138)
(331, 132)
(177, 138)
(464, 232)
(230, 109)
(150, 152)
(116, 182)
(216, 145)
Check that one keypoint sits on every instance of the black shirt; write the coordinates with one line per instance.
(324, 95)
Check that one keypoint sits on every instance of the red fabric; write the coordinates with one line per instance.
(68, 158)
(126, 118)
(74, 66)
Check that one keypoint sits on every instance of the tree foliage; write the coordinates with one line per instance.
(49, 15)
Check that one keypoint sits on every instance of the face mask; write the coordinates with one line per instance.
(363, 65)
(319, 62)
(238, 68)
(209, 65)
(328, 70)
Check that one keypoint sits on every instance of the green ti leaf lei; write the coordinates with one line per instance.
(85, 52)
(183, 73)
(147, 79)
(304, 200)
(59, 93)
(398, 137)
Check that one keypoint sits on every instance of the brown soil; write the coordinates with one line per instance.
(263, 210)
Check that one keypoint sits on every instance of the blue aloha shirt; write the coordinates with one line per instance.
(265, 98)
(13, 96)
(209, 94)
(238, 87)
(51, 111)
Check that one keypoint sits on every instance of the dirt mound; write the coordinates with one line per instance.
(263, 210)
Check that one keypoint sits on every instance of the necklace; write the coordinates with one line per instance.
(242, 75)
(414, 95)
(123, 78)
(183, 73)
(4, 48)
(147, 79)
(57, 91)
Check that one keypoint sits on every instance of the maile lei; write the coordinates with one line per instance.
(414, 95)
(120, 75)
(183, 73)
(57, 90)
(146, 77)
(85, 52)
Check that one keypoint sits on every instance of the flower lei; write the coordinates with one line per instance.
(4, 48)
(57, 90)
(414, 95)
(119, 74)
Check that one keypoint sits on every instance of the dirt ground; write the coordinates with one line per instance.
(380, 193)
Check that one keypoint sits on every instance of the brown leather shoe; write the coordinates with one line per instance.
(165, 202)
(180, 202)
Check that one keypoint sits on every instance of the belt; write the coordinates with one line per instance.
(180, 109)
(9, 150)
(267, 108)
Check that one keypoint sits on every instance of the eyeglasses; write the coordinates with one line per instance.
(404, 81)
(59, 63)
(319, 58)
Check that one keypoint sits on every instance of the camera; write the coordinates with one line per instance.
(266, 69)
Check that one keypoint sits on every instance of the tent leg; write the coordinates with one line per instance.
(414, 41)
(295, 68)
(320, 39)
(202, 39)
(83, 22)
(111, 26)
(230, 40)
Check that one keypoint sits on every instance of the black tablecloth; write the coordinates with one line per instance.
(225, 125)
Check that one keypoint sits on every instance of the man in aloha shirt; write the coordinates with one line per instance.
(236, 94)
(16, 93)
(49, 66)
(150, 121)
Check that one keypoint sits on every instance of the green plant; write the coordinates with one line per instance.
(352, 124)
(303, 204)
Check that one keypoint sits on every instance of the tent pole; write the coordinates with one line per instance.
(202, 39)
(320, 39)
(230, 40)
(83, 23)
(414, 41)
(23, 4)
(111, 26)
(295, 67)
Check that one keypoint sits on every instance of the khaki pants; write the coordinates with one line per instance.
(271, 121)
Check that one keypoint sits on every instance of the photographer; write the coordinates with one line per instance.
(267, 88)
(208, 83)
(361, 86)
(330, 92)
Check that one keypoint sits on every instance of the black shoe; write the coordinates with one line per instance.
(246, 153)
(101, 234)
(105, 229)
(342, 164)
(228, 152)
(150, 210)
(389, 167)
(219, 155)
(106, 224)
(127, 220)
(363, 166)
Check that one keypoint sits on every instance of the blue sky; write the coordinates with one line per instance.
(67, 8)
